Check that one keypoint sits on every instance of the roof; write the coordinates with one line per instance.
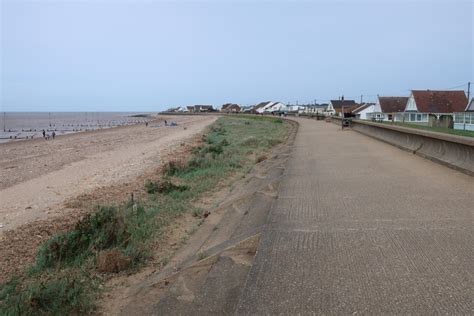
(431, 101)
(361, 108)
(470, 106)
(393, 104)
(230, 106)
(348, 109)
(337, 104)
(262, 104)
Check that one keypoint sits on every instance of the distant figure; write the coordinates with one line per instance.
(44, 134)
(166, 123)
(146, 124)
(53, 134)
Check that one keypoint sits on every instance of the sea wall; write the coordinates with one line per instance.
(456, 152)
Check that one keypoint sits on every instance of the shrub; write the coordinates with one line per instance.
(173, 167)
(53, 297)
(165, 186)
(100, 230)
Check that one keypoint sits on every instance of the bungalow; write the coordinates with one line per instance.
(296, 108)
(363, 111)
(434, 108)
(315, 109)
(386, 108)
(276, 107)
(336, 106)
(231, 108)
(260, 108)
(465, 120)
(200, 108)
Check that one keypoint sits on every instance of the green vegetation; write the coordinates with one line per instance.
(65, 278)
(444, 130)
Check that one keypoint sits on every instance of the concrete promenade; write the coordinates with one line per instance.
(362, 227)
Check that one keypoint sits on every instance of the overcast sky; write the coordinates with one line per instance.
(150, 55)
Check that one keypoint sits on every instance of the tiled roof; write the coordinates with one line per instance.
(337, 104)
(361, 108)
(393, 104)
(429, 101)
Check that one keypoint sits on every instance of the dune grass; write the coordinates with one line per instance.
(64, 279)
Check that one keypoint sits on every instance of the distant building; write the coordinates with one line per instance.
(386, 108)
(200, 108)
(269, 107)
(260, 108)
(363, 110)
(231, 108)
(315, 108)
(337, 106)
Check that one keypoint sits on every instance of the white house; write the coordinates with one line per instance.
(465, 120)
(434, 107)
(386, 108)
(295, 108)
(276, 107)
(363, 111)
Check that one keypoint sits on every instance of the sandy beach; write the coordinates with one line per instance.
(39, 176)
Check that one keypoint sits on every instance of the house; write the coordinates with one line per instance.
(200, 108)
(386, 108)
(363, 111)
(465, 120)
(434, 107)
(231, 108)
(269, 107)
(315, 109)
(296, 108)
(336, 106)
(276, 107)
(260, 108)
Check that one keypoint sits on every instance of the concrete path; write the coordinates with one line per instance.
(361, 227)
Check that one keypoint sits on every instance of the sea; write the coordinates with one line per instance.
(16, 126)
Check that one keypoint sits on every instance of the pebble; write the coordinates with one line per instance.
(1, 225)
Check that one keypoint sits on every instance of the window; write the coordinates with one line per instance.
(418, 117)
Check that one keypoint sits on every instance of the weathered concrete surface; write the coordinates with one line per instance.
(360, 226)
(454, 151)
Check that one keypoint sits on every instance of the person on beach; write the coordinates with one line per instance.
(146, 124)
(44, 133)
(166, 123)
(53, 134)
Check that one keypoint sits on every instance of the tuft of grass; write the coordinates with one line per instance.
(65, 296)
(202, 255)
(165, 186)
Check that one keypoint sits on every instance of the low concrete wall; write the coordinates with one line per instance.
(456, 152)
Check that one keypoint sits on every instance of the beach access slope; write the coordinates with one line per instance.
(39, 176)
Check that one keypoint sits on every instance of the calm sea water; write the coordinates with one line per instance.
(27, 125)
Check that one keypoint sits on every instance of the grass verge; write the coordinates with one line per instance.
(444, 130)
(71, 267)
